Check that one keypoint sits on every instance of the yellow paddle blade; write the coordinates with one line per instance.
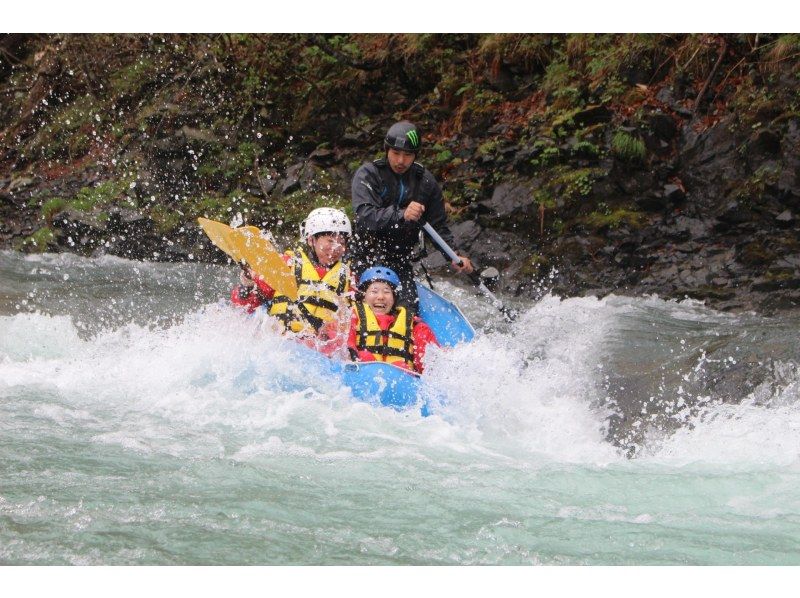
(265, 261)
(218, 232)
(245, 244)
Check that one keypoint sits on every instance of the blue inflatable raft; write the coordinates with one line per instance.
(388, 385)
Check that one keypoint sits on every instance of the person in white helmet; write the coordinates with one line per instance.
(322, 277)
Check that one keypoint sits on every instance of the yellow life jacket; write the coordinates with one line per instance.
(393, 345)
(316, 297)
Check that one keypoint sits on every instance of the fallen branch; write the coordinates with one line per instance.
(725, 78)
(722, 50)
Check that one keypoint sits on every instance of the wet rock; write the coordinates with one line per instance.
(691, 228)
(789, 261)
(780, 301)
(176, 253)
(785, 219)
(710, 145)
(291, 181)
(674, 193)
(435, 261)
(81, 232)
(708, 292)
(663, 126)
(733, 213)
(268, 180)
(466, 232)
(765, 142)
(19, 183)
(129, 222)
(323, 157)
(755, 254)
(490, 247)
(509, 198)
(654, 202)
(192, 134)
(767, 285)
(170, 144)
(631, 260)
(671, 98)
(664, 199)
(592, 115)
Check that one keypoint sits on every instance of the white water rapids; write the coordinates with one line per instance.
(145, 421)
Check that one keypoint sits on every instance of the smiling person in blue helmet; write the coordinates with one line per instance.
(392, 198)
(382, 330)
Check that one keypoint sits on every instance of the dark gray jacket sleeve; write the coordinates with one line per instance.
(367, 205)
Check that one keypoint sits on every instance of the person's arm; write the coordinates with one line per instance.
(245, 297)
(251, 292)
(422, 336)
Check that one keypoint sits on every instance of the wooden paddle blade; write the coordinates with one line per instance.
(265, 261)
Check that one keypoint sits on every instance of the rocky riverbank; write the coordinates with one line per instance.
(574, 164)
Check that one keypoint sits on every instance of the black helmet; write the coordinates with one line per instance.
(403, 136)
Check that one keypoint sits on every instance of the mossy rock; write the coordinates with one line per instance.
(705, 292)
(534, 266)
(614, 219)
(102, 195)
(573, 183)
(51, 207)
(40, 241)
(756, 254)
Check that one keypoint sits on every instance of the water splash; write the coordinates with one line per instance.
(643, 431)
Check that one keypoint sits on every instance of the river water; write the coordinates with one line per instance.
(144, 421)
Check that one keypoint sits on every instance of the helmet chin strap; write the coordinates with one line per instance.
(312, 253)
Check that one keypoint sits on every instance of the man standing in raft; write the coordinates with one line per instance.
(381, 330)
(392, 198)
(322, 278)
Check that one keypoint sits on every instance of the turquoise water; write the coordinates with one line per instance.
(145, 422)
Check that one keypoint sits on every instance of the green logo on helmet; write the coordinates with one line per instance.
(413, 137)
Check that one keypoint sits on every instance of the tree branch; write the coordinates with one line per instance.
(722, 50)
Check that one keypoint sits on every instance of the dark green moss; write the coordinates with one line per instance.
(39, 241)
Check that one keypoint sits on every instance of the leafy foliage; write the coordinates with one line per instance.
(199, 121)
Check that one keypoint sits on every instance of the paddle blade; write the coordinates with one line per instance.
(219, 232)
(265, 260)
(245, 244)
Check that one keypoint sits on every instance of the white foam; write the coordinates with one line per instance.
(27, 336)
(221, 383)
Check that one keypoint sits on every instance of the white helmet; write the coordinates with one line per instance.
(325, 220)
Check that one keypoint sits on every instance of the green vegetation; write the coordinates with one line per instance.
(628, 148)
(198, 113)
(100, 196)
(39, 241)
(53, 206)
(87, 200)
(606, 218)
(574, 183)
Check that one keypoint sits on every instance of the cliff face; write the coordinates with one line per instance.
(580, 164)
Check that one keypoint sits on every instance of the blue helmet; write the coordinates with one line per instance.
(379, 273)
